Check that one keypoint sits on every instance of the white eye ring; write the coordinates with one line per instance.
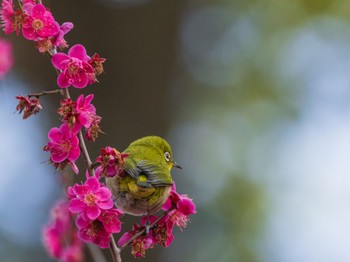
(167, 156)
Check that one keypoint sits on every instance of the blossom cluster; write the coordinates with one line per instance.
(97, 218)
(37, 24)
(81, 113)
(64, 142)
(111, 162)
(177, 207)
(60, 236)
(90, 203)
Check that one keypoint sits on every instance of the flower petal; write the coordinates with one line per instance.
(58, 156)
(78, 51)
(93, 212)
(81, 82)
(93, 184)
(186, 206)
(88, 99)
(105, 204)
(63, 81)
(124, 238)
(55, 135)
(76, 205)
(60, 60)
(38, 11)
(74, 154)
(103, 194)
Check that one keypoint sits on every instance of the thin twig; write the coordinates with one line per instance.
(44, 93)
(94, 165)
(115, 250)
(140, 233)
(113, 247)
(86, 156)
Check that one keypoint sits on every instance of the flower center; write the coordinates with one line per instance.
(37, 25)
(74, 67)
(94, 228)
(179, 219)
(90, 199)
(65, 145)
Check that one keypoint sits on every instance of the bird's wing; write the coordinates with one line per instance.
(156, 175)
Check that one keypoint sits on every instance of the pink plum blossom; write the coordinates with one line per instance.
(111, 162)
(60, 237)
(59, 37)
(110, 220)
(96, 62)
(89, 199)
(180, 206)
(93, 231)
(63, 145)
(85, 110)
(11, 19)
(79, 113)
(138, 245)
(39, 22)
(75, 69)
(94, 129)
(6, 58)
(99, 231)
(55, 41)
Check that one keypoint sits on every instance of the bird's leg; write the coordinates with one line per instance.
(148, 224)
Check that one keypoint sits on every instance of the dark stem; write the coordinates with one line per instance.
(113, 247)
(94, 165)
(44, 93)
(140, 233)
(86, 155)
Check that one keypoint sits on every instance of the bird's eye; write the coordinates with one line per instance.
(167, 156)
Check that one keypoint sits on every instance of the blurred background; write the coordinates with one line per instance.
(252, 95)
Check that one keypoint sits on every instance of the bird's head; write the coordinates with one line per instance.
(164, 149)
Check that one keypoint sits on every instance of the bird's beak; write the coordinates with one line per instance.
(176, 165)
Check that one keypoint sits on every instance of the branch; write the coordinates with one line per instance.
(115, 250)
(44, 93)
(140, 233)
(86, 155)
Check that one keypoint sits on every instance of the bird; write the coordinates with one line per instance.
(146, 183)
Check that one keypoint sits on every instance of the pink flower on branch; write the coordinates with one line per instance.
(96, 62)
(81, 113)
(99, 231)
(64, 146)
(183, 207)
(75, 69)
(93, 231)
(89, 199)
(60, 237)
(55, 41)
(138, 245)
(11, 20)
(111, 162)
(39, 23)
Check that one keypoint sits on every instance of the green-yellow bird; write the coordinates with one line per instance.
(147, 181)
